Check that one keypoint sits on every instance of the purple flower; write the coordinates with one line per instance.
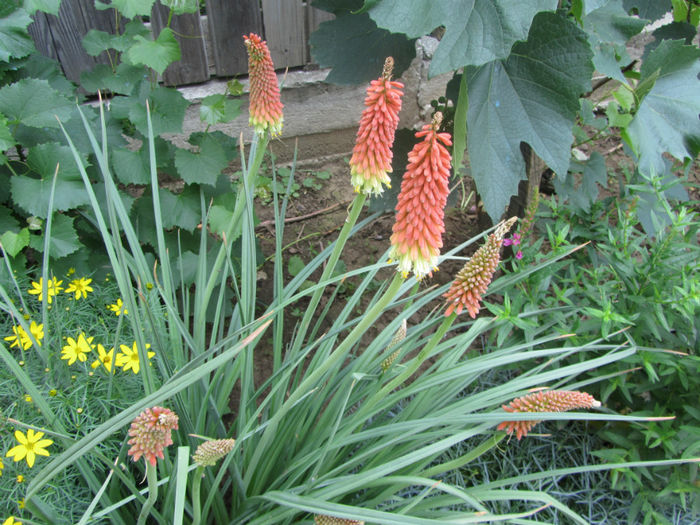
(519, 255)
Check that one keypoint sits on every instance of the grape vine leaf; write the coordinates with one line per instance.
(13, 243)
(355, 48)
(610, 27)
(531, 97)
(157, 54)
(167, 107)
(218, 108)
(476, 31)
(16, 42)
(6, 139)
(33, 194)
(205, 165)
(46, 6)
(64, 239)
(649, 9)
(34, 103)
(129, 8)
(667, 118)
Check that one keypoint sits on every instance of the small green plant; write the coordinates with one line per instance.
(633, 288)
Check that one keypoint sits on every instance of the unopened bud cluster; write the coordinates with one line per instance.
(544, 401)
(398, 337)
(209, 452)
(321, 519)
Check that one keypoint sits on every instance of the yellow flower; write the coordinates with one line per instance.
(2, 466)
(20, 478)
(20, 503)
(11, 521)
(53, 392)
(21, 338)
(77, 349)
(29, 447)
(128, 358)
(104, 358)
(53, 287)
(118, 308)
(27, 398)
(80, 287)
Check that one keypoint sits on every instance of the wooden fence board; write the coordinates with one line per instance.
(192, 66)
(285, 31)
(75, 19)
(229, 20)
(40, 31)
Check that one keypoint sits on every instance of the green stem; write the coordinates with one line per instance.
(315, 376)
(357, 205)
(152, 477)
(196, 503)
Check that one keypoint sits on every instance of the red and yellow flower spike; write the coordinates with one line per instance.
(417, 232)
(544, 401)
(265, 104)
(371, 156)
(475, 276)
(150, 433)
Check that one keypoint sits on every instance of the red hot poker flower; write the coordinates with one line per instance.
(544, 401)
(150, 433)
(371, 156)
(265, 105)
(474, 278)
(419, 225)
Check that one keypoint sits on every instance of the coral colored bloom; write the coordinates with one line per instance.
(321, 519)
(417, 232)
(30, 446)
(474, 278)
(80, 287)
(77, 350)
(544, 401)
(150, 433)
(53, 287)
(128, 358)
(265, 104)
(371, 156)
(209, 452)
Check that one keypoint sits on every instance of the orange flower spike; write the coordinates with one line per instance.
(150, 433)
(371, 156)
(544, 401)
(474, 278)
(265, 104)
(417, 232)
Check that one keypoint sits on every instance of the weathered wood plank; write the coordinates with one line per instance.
(285, 31)
(228, 21)
(314, 18)
(40, 32)
(75, 19)
(192, 66)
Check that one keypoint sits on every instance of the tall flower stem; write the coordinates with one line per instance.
(253, 474)
(152, 477)
(355, 210)
(196, 503)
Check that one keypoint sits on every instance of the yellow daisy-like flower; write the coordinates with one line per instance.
(118, 308)
(2, 466)
(128, 358)
(80, 287)
(53, 287)
(11, 521)
(19, 339)
(22, 339)
(77, 350)
(104, 358)
(20, 478)
(30, 446)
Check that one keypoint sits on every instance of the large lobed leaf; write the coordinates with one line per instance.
(356, 48)
(476, 31)
(531, 97)
(157, 54)
(667, 118)
(34, 103)
(16, 42)
(33, 194)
